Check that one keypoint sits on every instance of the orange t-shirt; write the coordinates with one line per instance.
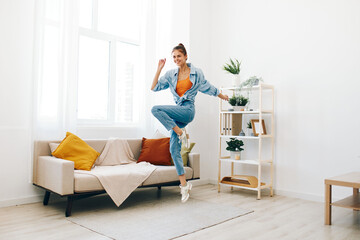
(183, 85)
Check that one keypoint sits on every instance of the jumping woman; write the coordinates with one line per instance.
(184, 83)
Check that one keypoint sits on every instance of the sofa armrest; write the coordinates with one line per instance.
(55, 174)
(194, 163)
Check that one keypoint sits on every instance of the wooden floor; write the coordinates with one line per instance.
(275, 217)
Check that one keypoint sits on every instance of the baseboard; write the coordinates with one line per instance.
(304, 196)
(199, 182)
(20, 201)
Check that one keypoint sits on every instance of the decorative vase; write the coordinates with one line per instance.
(242, 133)
(236, 80)
(235, 155)
(250, 132)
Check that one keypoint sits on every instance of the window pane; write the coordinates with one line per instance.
(85, 13)
(93, 78)
(127, 56)
(50, 74)
(120, 17)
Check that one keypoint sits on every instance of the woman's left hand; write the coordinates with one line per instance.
(223, 97)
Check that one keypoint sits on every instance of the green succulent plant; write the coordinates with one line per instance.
(234, 145)
(249, 125)
(238, 100)
(233, 67)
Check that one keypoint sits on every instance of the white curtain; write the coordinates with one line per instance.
(55, 66)
(55, 69)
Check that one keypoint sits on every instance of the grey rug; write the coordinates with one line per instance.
(151, 214)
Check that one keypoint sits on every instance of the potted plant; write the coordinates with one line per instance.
(238, 102)
(249, 127)
(233, 67)
(234, 146)
(252, 81)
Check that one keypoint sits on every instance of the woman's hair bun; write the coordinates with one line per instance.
(181, 48)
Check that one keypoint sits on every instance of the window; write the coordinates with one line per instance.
(108, 61)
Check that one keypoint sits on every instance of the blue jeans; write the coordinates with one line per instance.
(171, 116)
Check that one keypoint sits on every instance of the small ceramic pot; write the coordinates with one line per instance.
(239, 108)
(235, 155)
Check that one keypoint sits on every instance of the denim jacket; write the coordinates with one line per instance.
(169, 80)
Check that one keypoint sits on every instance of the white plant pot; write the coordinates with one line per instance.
(239, 108)
(236, 80)
(235, 155)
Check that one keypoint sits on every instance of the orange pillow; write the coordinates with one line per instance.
(155, 151)
(74, 149)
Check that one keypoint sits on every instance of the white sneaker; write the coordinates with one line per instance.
(184, 137)
(185, 192)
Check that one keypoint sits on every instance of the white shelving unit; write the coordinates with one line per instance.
(229, 118)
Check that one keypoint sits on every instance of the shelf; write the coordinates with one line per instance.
(231, 124)
(245, 161)
(247, 112)
(264, 87)
(352, 202)
(246, 137)
(248, 188)
(231, 185)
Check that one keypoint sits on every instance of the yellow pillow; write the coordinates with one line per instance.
(74, 149)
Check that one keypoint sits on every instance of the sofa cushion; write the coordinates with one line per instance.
(86, 183)
(184, 152)
(74, 149)
(155, 151)
(53, 147)
(163, 174)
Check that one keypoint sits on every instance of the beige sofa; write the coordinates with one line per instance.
(58, 176)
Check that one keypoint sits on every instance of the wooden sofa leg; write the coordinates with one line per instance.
(69, 206)
(46, 198)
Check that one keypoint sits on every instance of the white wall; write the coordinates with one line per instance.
(310, 51)
(201, 129)
(16, 46)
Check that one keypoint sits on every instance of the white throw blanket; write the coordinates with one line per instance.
(119, 181)
(116, 151)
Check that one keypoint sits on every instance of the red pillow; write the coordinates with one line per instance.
(155, 151)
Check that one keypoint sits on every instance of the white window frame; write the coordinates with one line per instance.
(112, 39)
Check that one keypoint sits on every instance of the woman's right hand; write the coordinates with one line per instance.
(161, 64)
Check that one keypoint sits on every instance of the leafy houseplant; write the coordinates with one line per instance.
(238, 102)
(234, 146)
(250, 131)
(233, 67)
(252, 81)
(249, 125)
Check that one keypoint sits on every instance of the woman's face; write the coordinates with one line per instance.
(179, 57)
